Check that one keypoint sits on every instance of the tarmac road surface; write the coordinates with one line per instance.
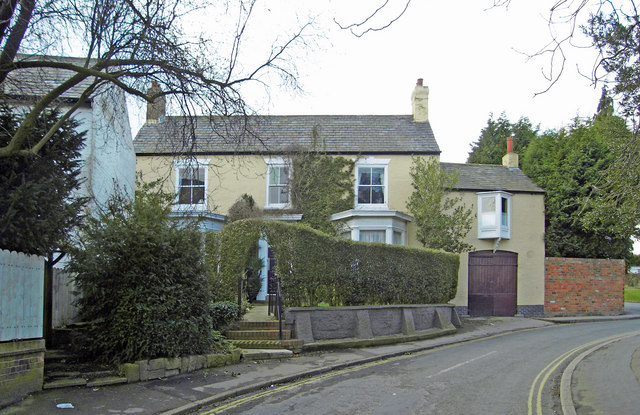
(516, 373)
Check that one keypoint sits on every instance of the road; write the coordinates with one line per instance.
(515, 373)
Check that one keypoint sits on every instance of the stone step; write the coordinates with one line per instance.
(56, 356)
(291, 344)
(61, 374)
(105, 381)
(257, 334)
(64, 383)
(258, 325)
(264, 354)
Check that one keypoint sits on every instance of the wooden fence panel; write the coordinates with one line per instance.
(21, 296)
(64, 312)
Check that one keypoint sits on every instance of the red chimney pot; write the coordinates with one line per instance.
(509, 145)
(154, 84)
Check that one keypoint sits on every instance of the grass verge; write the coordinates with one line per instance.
(632, 294)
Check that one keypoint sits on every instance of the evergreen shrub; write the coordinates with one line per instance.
(314, 267)
(143, 283)
(223, 313)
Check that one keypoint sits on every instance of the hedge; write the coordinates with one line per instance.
(314, 267)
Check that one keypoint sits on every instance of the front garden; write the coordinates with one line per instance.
(149, 290)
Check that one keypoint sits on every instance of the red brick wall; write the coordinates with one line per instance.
(580, 286)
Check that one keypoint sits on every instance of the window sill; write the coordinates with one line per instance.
(200, 207)
(372, 206)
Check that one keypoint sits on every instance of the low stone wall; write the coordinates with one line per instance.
(313, 324)
(21, 369)
(167, 367)
(582, 286)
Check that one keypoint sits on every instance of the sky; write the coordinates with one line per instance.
(472, 57)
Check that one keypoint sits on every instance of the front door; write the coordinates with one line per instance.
(493, 283)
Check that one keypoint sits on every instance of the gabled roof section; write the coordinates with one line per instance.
(36, 82)
(483, 177)
(334, 134)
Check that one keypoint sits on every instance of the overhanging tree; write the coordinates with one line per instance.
(613, 27)
(569, 164)
(129, 44)
(38, 207)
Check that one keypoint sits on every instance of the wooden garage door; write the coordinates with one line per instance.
(493, 283)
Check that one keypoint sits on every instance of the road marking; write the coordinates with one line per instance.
(461, 364)
(336, 372)
(566, 399)
(543, 376)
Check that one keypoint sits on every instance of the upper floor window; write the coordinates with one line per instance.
(277, 183)
(371, 182)
(494, 215)
(192, 183)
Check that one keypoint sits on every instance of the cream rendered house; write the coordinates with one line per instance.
(229, 157)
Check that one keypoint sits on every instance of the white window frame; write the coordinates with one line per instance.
(277, 162)
(389, 221)
(194, 163)
(496, 224)
(372, 162)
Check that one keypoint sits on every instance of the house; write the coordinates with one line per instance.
(108, 155)
(210, 162)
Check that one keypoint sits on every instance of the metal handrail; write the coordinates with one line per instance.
(275, 304)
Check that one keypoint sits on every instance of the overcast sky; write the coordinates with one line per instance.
(467, 54)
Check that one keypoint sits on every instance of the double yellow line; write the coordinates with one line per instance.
(541, 379)
(282, 388)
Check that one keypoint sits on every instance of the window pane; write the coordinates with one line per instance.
(505, 212)
(273, 195)
(372, 236)
(364, 175)
(274, 175)
(197, 196)
(489, 205)
(397, 238)
(284, 175)
(283, 195)
(377, 194)
(364, 194)
(184, 196)
(377, 176)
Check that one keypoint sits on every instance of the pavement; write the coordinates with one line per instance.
(184, 394)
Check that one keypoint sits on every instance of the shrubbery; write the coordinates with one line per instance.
(143, 283)
(314, 267)
(223, 313)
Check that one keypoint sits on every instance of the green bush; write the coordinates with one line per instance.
(314, 267)
(223, 313)
(143, 282)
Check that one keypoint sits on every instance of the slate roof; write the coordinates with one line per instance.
(35, 82)
(334, 134)
(483, 177)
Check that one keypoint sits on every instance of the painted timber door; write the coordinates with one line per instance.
(493, 283)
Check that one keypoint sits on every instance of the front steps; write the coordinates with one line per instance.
(60, 373)
(262, 335)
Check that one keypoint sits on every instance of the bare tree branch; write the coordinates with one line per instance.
(126, 45)
(361, 28)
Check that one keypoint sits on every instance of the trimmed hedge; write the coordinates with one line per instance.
(314, 267)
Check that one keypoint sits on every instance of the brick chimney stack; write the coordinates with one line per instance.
(510, 159)
(420, 102)
(156, 109)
